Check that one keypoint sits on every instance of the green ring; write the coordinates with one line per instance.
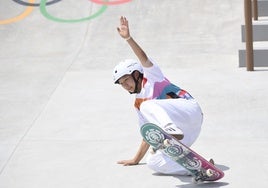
(50, 17)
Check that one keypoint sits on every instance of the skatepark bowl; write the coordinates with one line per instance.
(63, 123)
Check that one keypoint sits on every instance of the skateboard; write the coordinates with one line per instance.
(200, 168)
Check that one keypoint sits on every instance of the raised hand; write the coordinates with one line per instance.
(123, 29)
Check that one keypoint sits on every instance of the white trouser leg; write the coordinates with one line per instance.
(186, 115)
(161, 163)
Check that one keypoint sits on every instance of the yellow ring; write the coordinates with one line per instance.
(27, 11)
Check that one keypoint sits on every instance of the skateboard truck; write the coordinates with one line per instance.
(202, 175)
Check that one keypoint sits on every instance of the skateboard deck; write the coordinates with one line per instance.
(200, 168)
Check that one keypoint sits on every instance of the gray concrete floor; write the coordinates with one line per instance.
(64, 124)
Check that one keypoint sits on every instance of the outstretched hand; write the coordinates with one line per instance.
(123, 29)
(127, 162)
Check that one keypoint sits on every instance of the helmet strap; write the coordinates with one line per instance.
(136, 81)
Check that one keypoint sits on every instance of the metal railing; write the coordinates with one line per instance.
(249, 33)
(255, 9)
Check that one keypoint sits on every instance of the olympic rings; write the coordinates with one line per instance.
(50, 17)
(35, 4)
(43, 9)
(105, 2)
(24, 14)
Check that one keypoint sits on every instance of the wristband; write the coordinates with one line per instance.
(128, 38)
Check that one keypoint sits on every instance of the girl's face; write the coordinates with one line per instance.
(127, 83)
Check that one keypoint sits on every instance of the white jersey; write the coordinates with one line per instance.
(156, 86)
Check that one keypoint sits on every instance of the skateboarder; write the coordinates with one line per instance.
(157, 101)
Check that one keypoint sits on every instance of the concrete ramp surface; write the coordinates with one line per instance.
(63, 123)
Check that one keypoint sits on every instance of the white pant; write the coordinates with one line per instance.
(185, 114)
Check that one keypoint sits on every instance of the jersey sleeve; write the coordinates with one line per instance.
(154, 73)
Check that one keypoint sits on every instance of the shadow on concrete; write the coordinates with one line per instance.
(188, 180)
(205, 184)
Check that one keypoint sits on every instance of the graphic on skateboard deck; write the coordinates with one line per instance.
(200, 168)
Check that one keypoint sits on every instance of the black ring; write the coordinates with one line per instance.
(35, 4)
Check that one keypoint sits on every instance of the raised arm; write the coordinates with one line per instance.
(123, 31)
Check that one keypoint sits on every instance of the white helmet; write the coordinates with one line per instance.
(126, 67)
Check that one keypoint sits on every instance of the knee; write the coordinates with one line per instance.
(154, 162)
(146, 107)
(162, 164)
(158, 163)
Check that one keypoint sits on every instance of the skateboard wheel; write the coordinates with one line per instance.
(167, 142)
(209, 172)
